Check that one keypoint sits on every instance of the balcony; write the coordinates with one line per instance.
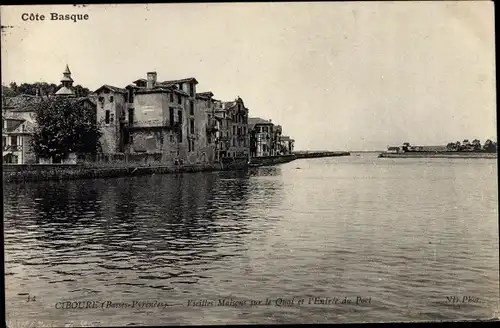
(212, 126)
(12, 147)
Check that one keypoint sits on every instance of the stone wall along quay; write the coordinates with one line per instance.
(316, 154)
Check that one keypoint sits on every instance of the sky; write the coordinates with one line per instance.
(336, 76)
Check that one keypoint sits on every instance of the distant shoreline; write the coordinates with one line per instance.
(440, 154)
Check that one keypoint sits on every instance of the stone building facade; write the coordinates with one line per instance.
(172, 120)
(266, 139)
(261, 137)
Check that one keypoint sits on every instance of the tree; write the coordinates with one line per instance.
(81, 91)
(490, 146)
(451, 146)
(476, 144)
(63, 126)
(40, 88)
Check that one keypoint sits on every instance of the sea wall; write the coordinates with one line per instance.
(114, 166)
(271, 160)
(316, 154)
(450, 154)
(40, 172)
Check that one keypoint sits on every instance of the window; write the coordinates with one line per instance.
(172, 97)
(106, 91)
(101, 99)
(192, 145)
(234, 130)
(191, 89)
(171, 115)
(180, 129)
(171, 138)
(191, 107)
(131, 139)
(180, 86)
(209, 104)
(13, 141)
(130, 115)
(131, 96)
(244, 130)
(111, 98)
(107, 117)
(179, 99)
(192, 126)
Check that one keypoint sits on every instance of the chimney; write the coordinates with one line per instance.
(151, 80)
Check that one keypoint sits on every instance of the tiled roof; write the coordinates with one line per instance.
(204, 95)
(160, 89)
(253, 121)
(189, 79)
(64, 91)
(167, 85)
(111, 88)
(21, 103)
(229, 104)
(258, 120)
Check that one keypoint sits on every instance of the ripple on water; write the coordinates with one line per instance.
(405, 234)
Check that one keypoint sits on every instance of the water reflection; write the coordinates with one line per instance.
(143, 228)
(404, 234)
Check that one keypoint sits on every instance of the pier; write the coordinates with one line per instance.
(317, 154)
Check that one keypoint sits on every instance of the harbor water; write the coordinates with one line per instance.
(339, 239)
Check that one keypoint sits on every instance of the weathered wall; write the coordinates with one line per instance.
(151, 109)
(239, 143)
(111, 138)
(23, 173)
(202, 150)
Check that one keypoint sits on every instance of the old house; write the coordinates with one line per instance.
(207, 126)
(261, 137)
(111, 109)
(237, 128)
(286, 145)
(151, 117)
(17, 124)
(16, 138)
(171, 121)
(18, 118)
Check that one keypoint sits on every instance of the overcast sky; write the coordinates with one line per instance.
(336, 76)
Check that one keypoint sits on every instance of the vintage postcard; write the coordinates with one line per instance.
(249, 163)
